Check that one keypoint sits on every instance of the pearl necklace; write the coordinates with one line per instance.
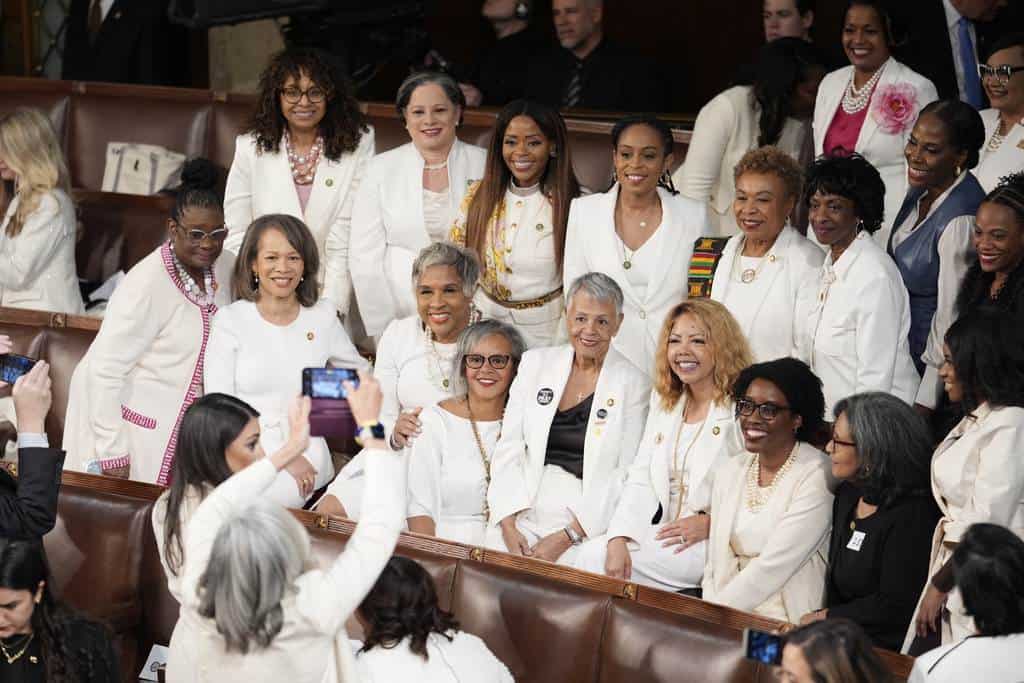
(755, 500)
(303, 165)
(204, 297)
(854, 98)
(483, 453)
(435, 167)
(997, 138)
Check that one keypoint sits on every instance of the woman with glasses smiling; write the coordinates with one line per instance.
(771, 506)
(1003, 79)
(145, 367)
(450, 461)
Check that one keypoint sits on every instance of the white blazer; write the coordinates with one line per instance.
(37, 267)
(613, 432)
(647, 486)
(388, 227)
(884, 150)
(770, 331)
(726, 128)
(851, 325)
(262, 183)
(1008, 157)
(794, 559)
(591, 245)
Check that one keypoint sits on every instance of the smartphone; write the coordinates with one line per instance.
(762, 646)
(327, 382)
(13, 366)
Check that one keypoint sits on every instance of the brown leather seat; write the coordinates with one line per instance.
(117, 231)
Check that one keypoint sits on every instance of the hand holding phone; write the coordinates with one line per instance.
(328, 382)
(32, 398)
(13, 366)
(762, 646)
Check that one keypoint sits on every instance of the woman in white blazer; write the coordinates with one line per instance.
(37, 234)
(691, 431)
(573, 422)
(870, 106)
(775, 110)
(515, 218)
(762, 268)
(292, 627)
(304, 155)
(771, 508)
(1003, 151)
(145, 367)
(640, 233)
(853, 315)
(410, 197)
(977, 470)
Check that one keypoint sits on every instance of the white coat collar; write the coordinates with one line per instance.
(773, 267)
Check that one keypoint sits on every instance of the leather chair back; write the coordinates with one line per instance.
(117, 231)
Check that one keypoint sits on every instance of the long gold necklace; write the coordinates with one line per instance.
(755, 499)
(11, 659)
(438, 360)
(749, 274)
(679, 479)
(483, 453)
(627, 254)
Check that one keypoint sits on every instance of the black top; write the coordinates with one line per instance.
(88, 644)
(567, 436)
(611, 79)
(878, 585)
(28, 504)
(502, 73)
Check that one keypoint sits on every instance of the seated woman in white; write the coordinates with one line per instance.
(427, 647)
(278, 326)
(1003, 151)
(640, 233)
(304, 155)
(691, 431)
(574, 419)
(771, 509)
(450, 461)
(145, 367)
(763, 267)
(37, 232)
(414, 359)
(515, 218)
(409, 197)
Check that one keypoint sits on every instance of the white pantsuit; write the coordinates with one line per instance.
(592, 245)
(765, 307)
(37, 266)
(388, 229)
(1007, 158)
(851, 325)
(261, 183)
(519, 477)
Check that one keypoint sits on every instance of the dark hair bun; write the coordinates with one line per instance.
(198, 174)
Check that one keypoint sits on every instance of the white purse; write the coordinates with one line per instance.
(134, 168)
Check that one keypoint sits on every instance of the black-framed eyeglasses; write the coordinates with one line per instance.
(292, 95)
(767, 411)
(1001, 73)
(498, 361)
(839, 442)
(196, 236)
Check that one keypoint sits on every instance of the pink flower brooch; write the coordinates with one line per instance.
(894, 107)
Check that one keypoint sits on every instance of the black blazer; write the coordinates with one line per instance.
(28, 504)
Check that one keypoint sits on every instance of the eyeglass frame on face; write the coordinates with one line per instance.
(840, 442)
(760, 408)
(503, 360)
(308, 94)
(1002, 73)
(216, 236)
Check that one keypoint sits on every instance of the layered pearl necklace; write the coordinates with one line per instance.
(854, 98)
(303, 165)
(757, 497)
(204, 297)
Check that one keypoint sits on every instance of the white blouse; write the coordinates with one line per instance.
(643, 262)
(448, 477)
(748, 538)
(437, 214)
(463, 658)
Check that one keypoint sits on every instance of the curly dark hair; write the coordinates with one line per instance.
(798, 383)
(343, 124)
(852, 178)
(975, 288)
(987, 350)
(403, 603)
(988, 566)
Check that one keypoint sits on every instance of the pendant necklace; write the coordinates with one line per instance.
(12, 658)
(483, 453)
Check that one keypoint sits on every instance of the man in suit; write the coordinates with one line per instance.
(28, 504)
(947, 39)
(124, 41)
(589, 72)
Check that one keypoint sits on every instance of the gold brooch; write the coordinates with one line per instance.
(611, 402)
(716, 430)
(330, 181)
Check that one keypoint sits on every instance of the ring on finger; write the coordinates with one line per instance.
(682, 540)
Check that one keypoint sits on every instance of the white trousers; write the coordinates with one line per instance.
(653, 565)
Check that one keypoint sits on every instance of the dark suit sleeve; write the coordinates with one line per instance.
(30, 509)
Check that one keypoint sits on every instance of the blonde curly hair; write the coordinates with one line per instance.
(29, 147)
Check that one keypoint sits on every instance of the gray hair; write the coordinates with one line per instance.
(462, 260)
(448, 85)
(256, 558)
(473, 335)
(599, 286)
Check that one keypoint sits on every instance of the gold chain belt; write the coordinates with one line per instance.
(523, 305)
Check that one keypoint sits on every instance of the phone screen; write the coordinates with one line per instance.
(13, 366)
(762, 647)
(327, 382)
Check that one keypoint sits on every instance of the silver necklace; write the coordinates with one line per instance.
(854, 98)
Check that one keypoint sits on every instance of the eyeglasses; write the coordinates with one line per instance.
(292, 95)
(196, 236)
(839, 442)
(1001, 73)
(498, 361)
(767, 411)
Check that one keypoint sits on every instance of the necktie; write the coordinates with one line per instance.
(572, 91)
(972, 82)
(95, 20)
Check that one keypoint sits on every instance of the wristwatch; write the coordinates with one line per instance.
(369, 430)
(574, 537)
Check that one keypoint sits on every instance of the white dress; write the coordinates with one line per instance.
(447, 475)
(463, 658)
(261, 363)
(1006, 158)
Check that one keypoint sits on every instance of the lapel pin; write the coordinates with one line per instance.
(611, 402)
(540, 227)
(658, 438)
(330, 181)
(545, 396)
(716, 430)
(310, 336)
(602, 413)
